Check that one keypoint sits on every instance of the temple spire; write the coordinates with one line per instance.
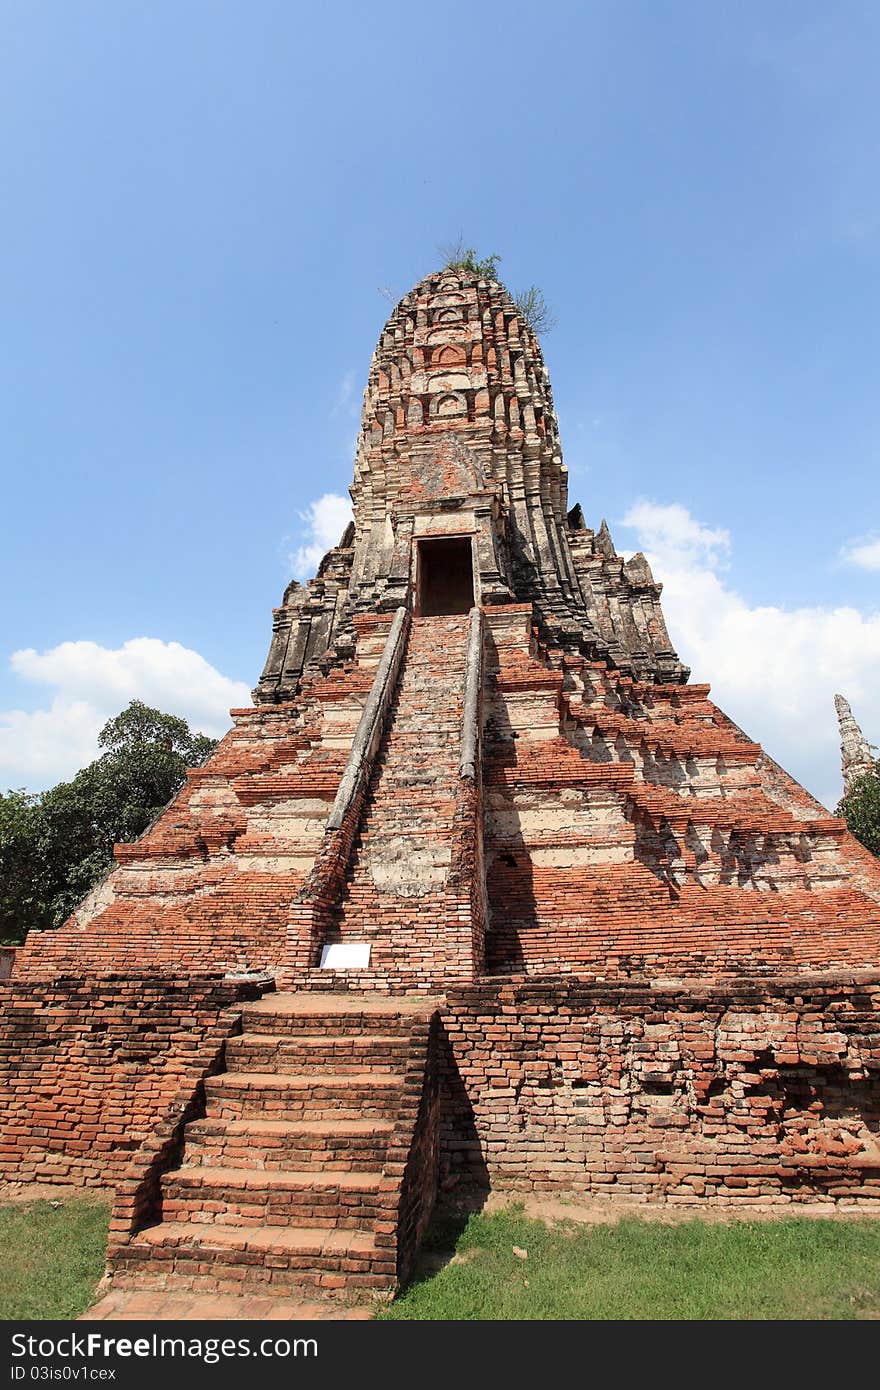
(460, 488)
(855, 751)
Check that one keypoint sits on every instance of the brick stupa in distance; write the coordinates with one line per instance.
(536, 911)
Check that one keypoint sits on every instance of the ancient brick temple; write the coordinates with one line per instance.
(480, 891)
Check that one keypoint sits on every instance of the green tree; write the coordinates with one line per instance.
(22, 863)
(139, 726)
(530, 303)
(535, 310)
(860, 808)
(56, 846)
(457, 256)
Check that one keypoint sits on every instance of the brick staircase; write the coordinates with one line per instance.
(399, 893)
(295, 1180)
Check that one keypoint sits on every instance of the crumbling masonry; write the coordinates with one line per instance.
(856, 759)
(604, 942)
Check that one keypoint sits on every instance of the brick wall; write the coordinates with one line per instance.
(417, 1139)
(760, 1091)
(88, 1067)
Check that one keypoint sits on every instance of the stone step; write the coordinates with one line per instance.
(386, 833)
(400, 802)
(436, 709)
(167, 1305)
(398, 805)
(410, 753)
(305, 1011)
(412, 750)
(412, 910)
(374, 981)
(222, 1258)
(318, 1095)
(415, 733)
(326, 1051)
(238, 1197)
(329, 1145)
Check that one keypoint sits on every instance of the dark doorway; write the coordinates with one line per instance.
(446, 577)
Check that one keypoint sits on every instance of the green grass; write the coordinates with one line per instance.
(51, 1257)
(791, 1268)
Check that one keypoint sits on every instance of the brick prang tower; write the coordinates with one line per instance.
(459, 432)
(480, 892)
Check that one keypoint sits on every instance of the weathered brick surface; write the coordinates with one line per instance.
(631, 829)
(211, 884)
(756, 1091)
(856, 759)
(89, 1068)
(302, 1175)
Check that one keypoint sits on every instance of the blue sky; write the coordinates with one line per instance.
(202, 202)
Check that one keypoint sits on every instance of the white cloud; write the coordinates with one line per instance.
(864, 554)
(676, 534)
(92, 683)
(325, 520)
(774, 670)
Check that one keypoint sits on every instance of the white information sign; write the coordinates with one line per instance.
(346, 955)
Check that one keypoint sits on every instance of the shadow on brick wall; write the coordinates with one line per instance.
(512, 906)
(464, 1176)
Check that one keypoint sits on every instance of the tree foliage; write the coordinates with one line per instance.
(457, 256)
(860, 808)
(535, 310)
(530, 303)
(55, 846)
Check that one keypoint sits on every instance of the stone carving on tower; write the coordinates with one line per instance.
(459, 440)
